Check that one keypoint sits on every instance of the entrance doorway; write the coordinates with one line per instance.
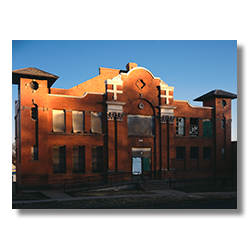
(136, 165)
(141, 161)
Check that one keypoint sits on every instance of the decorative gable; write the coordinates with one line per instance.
(167, 93)
(114, 83)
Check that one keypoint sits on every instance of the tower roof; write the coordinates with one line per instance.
(216, 93)
(33, 72)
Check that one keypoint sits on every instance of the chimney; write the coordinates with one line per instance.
(131, 65)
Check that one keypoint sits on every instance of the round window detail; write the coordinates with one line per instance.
(223, 103)
(141, 106)
(34, 85)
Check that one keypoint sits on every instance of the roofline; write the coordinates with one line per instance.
(135, 68)
(20, 73)
(73, 96)
(214, 93)
(194, 106)
(16, 75)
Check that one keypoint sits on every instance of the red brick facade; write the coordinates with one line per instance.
(170, 136)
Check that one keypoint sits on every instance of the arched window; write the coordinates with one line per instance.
(34, 118)
(34, 113)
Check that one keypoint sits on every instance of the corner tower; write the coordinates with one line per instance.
(31, 123)
(220, 100)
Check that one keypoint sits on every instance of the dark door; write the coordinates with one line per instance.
(146, 165)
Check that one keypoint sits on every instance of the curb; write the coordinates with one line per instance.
(131, 206)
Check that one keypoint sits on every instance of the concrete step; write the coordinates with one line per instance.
(158, 188)
(55, 194)
(104, 186)
(156, 185)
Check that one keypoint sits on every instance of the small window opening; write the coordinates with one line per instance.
(194, 128)
(180, 126)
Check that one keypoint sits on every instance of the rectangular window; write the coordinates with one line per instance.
(140, 125)
(194, 126)
(15, 127)
(180, 153)
(59, 159)
(180, 126)
(223, 122)
(58, 120)
(34, 153)
(207, 153)
(207, 128)
(78, 121)
(96, 122)
(97, 159)
(34, 113)
(78, 159)
(223, 154)
(194, 152)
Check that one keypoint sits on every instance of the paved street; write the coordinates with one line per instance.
(215, 205)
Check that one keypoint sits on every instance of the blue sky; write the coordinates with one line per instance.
(192, 67)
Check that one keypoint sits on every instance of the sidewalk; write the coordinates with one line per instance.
(56, 195)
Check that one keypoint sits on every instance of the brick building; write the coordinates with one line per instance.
(123, 122)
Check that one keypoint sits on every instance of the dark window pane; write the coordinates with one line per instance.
(207, 153)
(78, 159)
(97, 159)
(59, 159)
(180, 153)
(194, 152)
(207, 128)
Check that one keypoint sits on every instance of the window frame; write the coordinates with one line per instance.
(223, 153)
(183, 153)
(150, 120)
(63, 152)
(210, 153)
(76, 130)
(179, 127)
(54, 125)
(205, 134)
(100, 116)
(194, 151)
(99, 164)
(192, 124)
(80, 168)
